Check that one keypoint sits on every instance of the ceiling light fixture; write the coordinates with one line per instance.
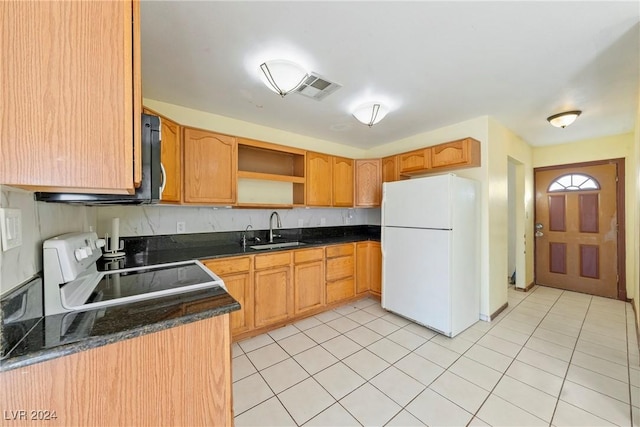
(562, 120)
(370, 113)
(282, 76)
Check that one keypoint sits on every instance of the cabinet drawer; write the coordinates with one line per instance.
(225, 266)
(273, 260)
(306, 255)
(340, 290)
(340, 268)
(339, 250)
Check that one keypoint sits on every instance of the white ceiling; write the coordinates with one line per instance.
(433, 63)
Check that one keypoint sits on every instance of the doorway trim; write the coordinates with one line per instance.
(622, 236)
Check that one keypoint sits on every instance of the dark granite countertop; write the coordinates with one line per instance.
(62, 334)
(32, 337)
(150, 250)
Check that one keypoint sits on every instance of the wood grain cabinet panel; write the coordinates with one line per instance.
(342, 182)
(309, 285)
(390, 169)
(318, 179)
(179, 376)
(375, 268)
(71, 96)
(273, 291)
(368, 183)
(210, 167)
(237, 276)
(340, 272)
(456, 154)
(415, 161)
(273, 295)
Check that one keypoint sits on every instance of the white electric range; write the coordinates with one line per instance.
(72, 281)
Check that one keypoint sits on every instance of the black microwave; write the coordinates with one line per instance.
(150, 189)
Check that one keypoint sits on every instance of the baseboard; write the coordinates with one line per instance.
(526, 289)
(498, 311)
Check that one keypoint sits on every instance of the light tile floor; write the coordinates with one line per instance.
(552, 358)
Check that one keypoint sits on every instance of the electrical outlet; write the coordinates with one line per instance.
(181, 227)
(300, 222)
(11, 228)
(323, 221)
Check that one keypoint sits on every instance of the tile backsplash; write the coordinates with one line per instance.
(163, 219)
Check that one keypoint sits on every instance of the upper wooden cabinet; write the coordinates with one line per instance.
(390, 170)
(319, 179)
(414, 161)
(456, 154)
(171, 156)
(342, 182)
(210, 167)
(71, 96)
(368, 183)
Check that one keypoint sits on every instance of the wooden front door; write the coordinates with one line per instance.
(576, 223)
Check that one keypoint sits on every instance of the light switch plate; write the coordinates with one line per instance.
(11, 228)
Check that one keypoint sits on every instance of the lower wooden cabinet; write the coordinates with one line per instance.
(368, 267)
(273, 293)
(308, 280)
(340, 272)
(236, 272)
(179, 376)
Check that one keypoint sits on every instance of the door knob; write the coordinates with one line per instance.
(539, 228)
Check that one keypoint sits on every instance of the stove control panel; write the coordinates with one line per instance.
(71, 254)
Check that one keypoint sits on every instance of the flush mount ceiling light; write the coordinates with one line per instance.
(562, 120)
(370, 113)
(282, 76)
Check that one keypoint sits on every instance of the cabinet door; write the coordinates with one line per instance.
(342, 181)
(375, 268)
(363, 262)
(464, 152)
(171, 155)
(70, 97)
(390, 169)
(210, 167)
(319, 179)
(415, 161)
(272, 291)
(309, 286)
(235, 272)
(368, 183)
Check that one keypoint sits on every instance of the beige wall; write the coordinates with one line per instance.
(635, 286)
(610, 147)
(200, 119)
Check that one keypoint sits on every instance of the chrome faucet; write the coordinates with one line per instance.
(244, 236)
(278, 225)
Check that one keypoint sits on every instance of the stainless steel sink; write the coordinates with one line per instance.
(277, 245)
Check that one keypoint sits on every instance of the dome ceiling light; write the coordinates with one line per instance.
(370, 113)
(282, 76)
(562, 120)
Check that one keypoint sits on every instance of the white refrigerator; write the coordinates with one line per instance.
(430, 251)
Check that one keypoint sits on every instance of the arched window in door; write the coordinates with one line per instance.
(573, 182)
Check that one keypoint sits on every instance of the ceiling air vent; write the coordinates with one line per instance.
(317, 87)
